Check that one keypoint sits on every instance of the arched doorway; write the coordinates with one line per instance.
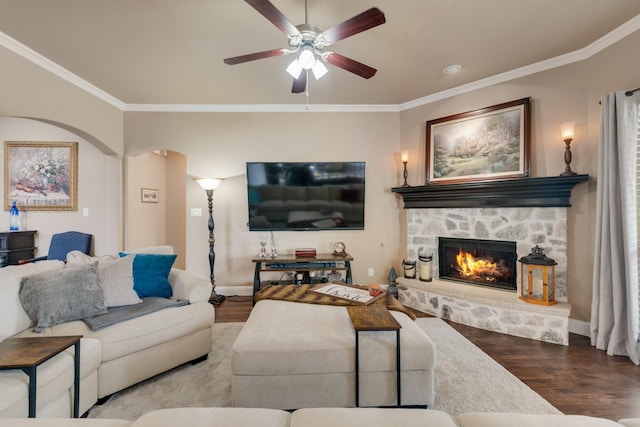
(155, 201)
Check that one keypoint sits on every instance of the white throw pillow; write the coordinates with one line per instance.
(116, 281)
(80, 258)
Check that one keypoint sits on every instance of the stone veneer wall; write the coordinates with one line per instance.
(487, 308)
(546, 227)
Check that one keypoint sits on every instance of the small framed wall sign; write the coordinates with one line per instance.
(149, 195)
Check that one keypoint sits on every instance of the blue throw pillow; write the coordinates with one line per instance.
(151, 274)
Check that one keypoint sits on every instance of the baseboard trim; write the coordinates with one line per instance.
(234, 290)
(579, 327)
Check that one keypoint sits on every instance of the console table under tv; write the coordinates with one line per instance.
(288, 262)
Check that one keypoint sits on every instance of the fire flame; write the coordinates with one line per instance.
(469, 266)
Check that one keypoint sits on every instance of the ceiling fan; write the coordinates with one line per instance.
(309, 42)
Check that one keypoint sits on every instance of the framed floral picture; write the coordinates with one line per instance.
(489, 144)
(41, 175)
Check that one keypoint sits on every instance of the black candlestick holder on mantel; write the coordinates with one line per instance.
(552, 191)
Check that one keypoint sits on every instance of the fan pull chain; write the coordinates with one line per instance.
(306, 92)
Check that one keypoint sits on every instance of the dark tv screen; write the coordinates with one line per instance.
(306, 196)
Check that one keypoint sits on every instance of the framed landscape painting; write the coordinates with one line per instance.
(41, 176)
(483, 145)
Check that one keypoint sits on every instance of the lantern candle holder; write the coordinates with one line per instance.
(538, 278)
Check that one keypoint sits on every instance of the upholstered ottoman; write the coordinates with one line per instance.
(294, 355)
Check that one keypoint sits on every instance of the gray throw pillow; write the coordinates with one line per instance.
(60, 296)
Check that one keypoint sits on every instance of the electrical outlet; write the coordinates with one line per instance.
(196, 212)
(370, 272)
(85, 212)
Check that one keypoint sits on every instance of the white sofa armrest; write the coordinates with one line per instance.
(191, 286)
(630, 422)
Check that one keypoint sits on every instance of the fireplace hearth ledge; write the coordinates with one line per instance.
(485, 308)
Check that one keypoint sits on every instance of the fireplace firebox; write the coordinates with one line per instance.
(490, 263)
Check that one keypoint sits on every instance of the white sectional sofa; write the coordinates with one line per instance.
(112, 358)
(322, 417)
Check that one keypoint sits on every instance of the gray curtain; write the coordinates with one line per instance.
(614, 310)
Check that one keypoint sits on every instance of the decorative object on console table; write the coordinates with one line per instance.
(210, 184)
(306, 253)
(274, 248)
(16, 246)
(404, 155)
(488, 144)
(339, 249)
(567, 136)
(41, 175)
(537, 278)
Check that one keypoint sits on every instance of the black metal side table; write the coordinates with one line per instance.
(30, 352)
(374, 318)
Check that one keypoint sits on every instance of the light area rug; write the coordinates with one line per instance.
(466, 380)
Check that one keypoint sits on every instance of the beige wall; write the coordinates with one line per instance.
(569, 93)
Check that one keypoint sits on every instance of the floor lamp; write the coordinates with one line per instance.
(210, 184)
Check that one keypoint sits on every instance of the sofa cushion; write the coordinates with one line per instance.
(13, 318)
(116, 281)
(214, 417)
(144, 332)
(530, 420)
(370, 417)
(151, 274)
(60, 296)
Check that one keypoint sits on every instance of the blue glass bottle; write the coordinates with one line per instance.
(14, 218)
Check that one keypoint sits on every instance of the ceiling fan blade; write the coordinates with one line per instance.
(276, 17)
(300, 84)
(351, 65)
(254, 56)
(359, 23)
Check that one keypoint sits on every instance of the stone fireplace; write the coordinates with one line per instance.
(520, 214)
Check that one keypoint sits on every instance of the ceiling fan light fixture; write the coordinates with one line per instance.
(307, 59)
(319, 70)
(294, 69)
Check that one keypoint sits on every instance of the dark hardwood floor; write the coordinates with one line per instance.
(576, 379)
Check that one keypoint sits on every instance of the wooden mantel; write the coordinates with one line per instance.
(553, 191)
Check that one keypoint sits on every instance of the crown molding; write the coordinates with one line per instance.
(263, 108)
(31, 55)
(597, 46)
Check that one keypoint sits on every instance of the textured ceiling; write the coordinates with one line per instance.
(171, 51)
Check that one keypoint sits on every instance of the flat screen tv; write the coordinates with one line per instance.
(306, 196)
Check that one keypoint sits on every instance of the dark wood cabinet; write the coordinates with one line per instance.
(16, 246)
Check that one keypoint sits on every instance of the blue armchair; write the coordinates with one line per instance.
(63, 243)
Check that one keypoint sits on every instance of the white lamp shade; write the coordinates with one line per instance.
(208, 183)
(294, 69)
(307, 59)
(319, 70)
